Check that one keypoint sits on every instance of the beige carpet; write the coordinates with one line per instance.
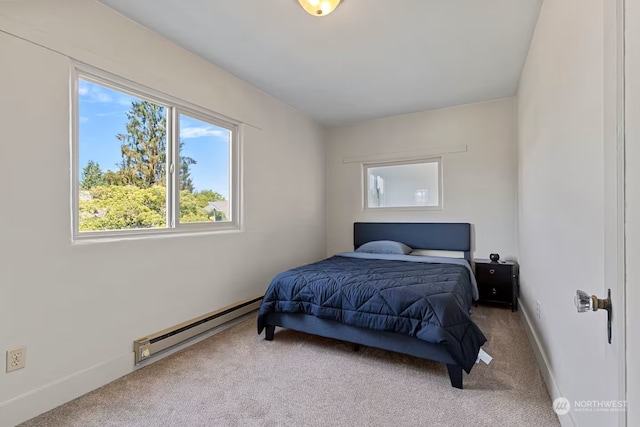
(236, 378)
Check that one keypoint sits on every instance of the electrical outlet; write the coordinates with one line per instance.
(16, 358)
(538, 310)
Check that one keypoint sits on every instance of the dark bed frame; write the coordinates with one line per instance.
(434, 236)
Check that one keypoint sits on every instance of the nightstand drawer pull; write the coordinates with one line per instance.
(494, 291)
(492, 271)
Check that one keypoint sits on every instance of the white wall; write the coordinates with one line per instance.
(567, 202)
(78, 308)
(479, 184)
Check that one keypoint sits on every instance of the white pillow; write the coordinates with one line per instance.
(429, 252)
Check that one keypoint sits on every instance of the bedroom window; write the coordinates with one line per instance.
(146, 163)
(410, 184)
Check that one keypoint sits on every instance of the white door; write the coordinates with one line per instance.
(632, 126)
(622, 206)
(609, 407)
(603, 401)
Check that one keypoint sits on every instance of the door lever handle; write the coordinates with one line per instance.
(585, 302)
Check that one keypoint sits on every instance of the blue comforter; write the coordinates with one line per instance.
(426, 300)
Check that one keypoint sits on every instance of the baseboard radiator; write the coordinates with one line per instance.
(146, 347)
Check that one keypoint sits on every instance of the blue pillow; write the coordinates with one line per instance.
(384, 247)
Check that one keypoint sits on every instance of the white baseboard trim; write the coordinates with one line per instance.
(545, 367)
(35, 402)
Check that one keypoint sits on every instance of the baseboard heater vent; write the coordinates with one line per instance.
(146, 347)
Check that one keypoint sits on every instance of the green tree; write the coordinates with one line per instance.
(118, 207)
(118, 177)
(144, 150)
(191, 208)
(114, 207)
(206, 196)
(144, 146)
(92, 176)
(186, 183)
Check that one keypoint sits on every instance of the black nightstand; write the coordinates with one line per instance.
(498, 282)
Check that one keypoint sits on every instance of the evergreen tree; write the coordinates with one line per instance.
(186, 183)
(144, 150)
(144, 147)
(92, 176)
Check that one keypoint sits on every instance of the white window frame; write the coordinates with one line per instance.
(174, 107)
(365, 185)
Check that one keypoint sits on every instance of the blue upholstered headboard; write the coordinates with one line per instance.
(443, 236)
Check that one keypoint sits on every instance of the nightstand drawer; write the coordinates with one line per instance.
(494, 273)
(496, 292)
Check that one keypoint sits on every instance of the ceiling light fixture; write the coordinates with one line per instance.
(319, 7)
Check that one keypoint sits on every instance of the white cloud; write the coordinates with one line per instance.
(198, 132)
(126, 101)
(111, 113)
(84, 119)
(100, 96)
(93, 93)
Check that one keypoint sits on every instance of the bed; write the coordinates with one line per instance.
(416, 305)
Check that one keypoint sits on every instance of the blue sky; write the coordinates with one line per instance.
(103, 116)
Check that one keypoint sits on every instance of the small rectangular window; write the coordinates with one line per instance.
(415, 184)
(146, 162)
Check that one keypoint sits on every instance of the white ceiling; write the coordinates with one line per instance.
(368, 59)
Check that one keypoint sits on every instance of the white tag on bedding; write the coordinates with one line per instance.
(484, 356)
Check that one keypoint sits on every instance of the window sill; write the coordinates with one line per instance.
(404, 208)
(92, 237)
